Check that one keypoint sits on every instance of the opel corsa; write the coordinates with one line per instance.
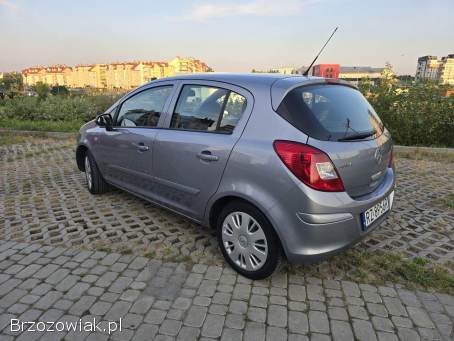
(291, 166)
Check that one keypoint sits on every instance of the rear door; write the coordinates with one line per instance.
(191, 154)
(342, 123)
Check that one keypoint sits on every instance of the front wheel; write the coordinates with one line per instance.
(95, 182)
(247, 240)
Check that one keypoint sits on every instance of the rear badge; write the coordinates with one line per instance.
(378, 155)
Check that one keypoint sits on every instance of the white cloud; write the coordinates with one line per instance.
(8, 4)
(210, 10)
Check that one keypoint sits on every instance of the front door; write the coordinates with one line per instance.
(126, 152)
(191, 154)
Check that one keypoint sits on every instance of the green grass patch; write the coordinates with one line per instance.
(424, 154)
(380, 267)
(7, 138)
(449, 201)
(41, 125)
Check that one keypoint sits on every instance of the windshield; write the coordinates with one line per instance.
(331, 112)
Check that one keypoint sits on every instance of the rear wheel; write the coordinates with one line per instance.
(95, 182)
(247, 240)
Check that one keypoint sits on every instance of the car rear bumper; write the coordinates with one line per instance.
(332, 225)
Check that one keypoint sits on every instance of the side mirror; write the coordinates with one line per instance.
(105, 120)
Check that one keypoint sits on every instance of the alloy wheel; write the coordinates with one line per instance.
(88, 174)
(244, 241)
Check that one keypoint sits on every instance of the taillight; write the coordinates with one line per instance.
(391, 157)
(312, 166)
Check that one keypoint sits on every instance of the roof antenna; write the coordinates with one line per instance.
(305, 73)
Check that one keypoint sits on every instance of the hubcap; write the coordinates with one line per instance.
(244, 241)
(88, 172)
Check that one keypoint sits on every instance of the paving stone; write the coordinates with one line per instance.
(338, 313)
(231, 335)
(256, 314)
(213, 325)
(419, 317)
(298, 322)
(382, 336)
(350, 289)
(100, 308)
(238, 307)
(276, 334)
(119, 309)
(142, 305)
(394, 306)
(277, 316)
(82, 305)
(382, 324)
(341, 331)
(406, 334)
(132, 321)
(358, 312)
(363, 330)
(12, 297)
(377, 309)
(155, 316)
(297, 292)
(189, 334)
(196, 316)
(318, 322)
(218, 309)
(235, 321)
(254, 332)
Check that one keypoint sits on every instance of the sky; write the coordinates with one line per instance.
(229, 35)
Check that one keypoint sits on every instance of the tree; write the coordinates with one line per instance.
(365, 86)
(12, 84)
(42, 90)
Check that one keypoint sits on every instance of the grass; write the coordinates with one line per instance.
(59, 126)
(449, 201)
(381, 267)
(424, 154)
(7, 138)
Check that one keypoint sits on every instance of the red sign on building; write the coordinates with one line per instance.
(326, 70)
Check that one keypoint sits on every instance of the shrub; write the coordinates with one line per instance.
(55, 108)
(420, 114)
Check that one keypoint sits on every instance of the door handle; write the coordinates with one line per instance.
(207, 156)
(142, 147)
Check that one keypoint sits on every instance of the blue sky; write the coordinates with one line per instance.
(230, 35)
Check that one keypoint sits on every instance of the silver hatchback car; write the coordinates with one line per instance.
(292, 166)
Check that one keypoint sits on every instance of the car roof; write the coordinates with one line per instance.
(280, 84)
(246, 80)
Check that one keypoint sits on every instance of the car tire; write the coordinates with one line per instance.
(95, 182)
(247, 240)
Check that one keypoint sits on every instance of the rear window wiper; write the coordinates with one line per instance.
(358, 136)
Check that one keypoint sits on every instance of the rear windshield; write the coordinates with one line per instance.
(331, 113)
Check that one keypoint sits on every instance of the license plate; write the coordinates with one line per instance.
(376, 211)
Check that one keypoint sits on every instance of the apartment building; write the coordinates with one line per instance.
(434, 69)
(446, 70)
(125, 75)
(427, 68)
(51, 75)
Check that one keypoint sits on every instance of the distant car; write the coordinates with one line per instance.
(278, 165)
(30, 93)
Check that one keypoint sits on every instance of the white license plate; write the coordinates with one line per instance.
(376, 211)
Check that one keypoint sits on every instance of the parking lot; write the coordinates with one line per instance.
(120, 256)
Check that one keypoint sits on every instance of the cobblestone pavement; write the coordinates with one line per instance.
(168, 301)
(43, 199)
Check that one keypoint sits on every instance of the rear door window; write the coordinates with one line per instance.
(207, 108)
(331, 113)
